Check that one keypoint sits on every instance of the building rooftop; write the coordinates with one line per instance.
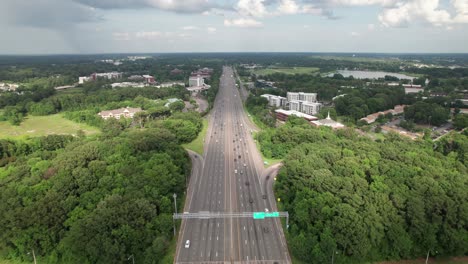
(296, 113)
(328, 122)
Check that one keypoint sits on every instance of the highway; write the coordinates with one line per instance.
(228, 179)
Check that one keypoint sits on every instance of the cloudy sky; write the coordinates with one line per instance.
(110, 26)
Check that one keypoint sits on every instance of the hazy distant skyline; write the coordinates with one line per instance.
(144, 26)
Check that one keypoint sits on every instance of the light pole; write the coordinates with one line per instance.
(333, 256)
(175, 208)
(34, 256)
(133, 259)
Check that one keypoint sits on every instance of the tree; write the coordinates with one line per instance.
(461, 121)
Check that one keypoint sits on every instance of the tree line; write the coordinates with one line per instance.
(357, 200)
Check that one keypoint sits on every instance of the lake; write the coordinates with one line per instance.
(370, 74)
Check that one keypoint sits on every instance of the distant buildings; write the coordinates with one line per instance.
(196, 81)
(95, 76)
(126, 112)
(327, 122)
(204, 73)
(397, 110)
(283, 115)
(149, 79)
(176, 71)
(6, 87)
(170, 84)
(304, 102)
(128, 84)
(266, 84)
(308, 97)
(274, 100)
(412, 88)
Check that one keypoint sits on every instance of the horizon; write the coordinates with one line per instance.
(221, 26)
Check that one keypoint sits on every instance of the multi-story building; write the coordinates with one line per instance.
(305, 107)
(196, 81)
(274, 100)
(308, 97)
(311, 108)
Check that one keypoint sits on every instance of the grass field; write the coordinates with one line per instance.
(197, 144)
(293, 70)
(35, 126)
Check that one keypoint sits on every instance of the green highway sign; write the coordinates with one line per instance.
(262, 215)
(272, 214)
(258, 215)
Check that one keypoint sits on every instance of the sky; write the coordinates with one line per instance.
(160, 26)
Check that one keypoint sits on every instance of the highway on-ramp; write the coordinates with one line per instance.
(229, 181)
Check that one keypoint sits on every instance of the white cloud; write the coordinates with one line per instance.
(461, 8)
(186, 6)
(288, 7)
(371, 27)
(149, 35)
(190, 28)
(242, 22)
(255, 8)
(121, 36)
(211, 29)
(354, 34)
(415, 10)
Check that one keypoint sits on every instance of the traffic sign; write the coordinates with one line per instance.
(258, 215)
(262, 215)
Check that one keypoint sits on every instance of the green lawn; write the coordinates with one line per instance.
(292, 70)
(197, 144)
(35, 126)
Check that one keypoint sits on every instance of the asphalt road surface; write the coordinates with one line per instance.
(227, 179)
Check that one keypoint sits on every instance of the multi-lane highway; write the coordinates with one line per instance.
(227, 179)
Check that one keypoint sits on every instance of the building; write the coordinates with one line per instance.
(397, 110)
(274, 100)
(8, 87)
(284, 114)
(84, 79)
(327, 122)
(149, 79)
(126, 112)
(308, 97)
(170, 84)
(136, 78)
(176, 71)
(95, 76)
(198, 89)
(412, 88)
(128, 84)
(107, 75)
(310, 108)
(196, 81)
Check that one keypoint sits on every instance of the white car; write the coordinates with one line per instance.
(187, 244)
(235, 171)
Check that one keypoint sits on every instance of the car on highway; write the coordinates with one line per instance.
(235, 171)
(242, 172)
(245, 165)
(187, 244)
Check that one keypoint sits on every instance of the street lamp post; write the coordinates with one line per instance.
(34, 256)
(175, 209)
(133, 258)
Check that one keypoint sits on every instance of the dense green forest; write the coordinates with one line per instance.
(362, 200)
(94, 200)
(98, 199)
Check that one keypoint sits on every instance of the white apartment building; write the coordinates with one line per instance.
(274, 100)
(305, 107)
(196, 81)
(308, 97)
